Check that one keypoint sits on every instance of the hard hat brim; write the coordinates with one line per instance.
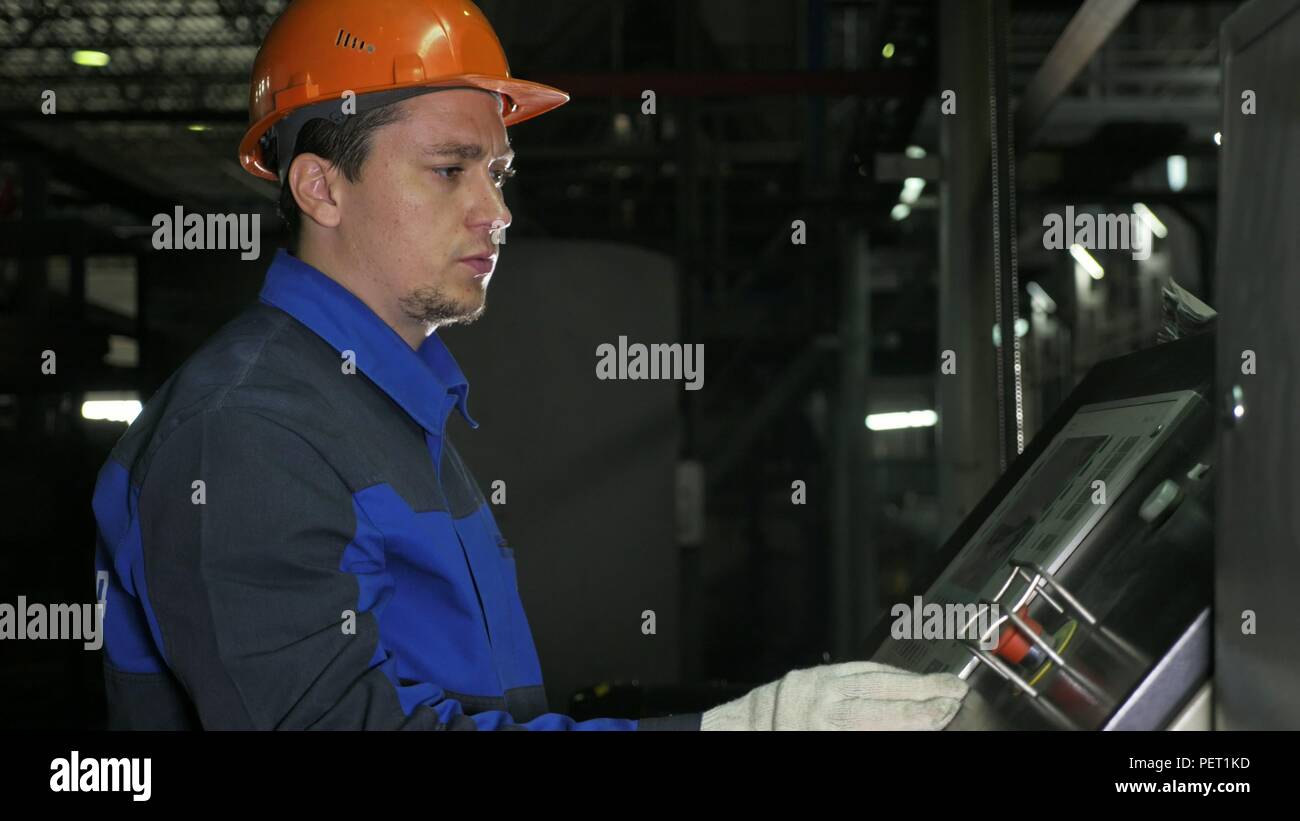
(526, 100)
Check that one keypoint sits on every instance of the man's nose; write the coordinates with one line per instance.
(490, 211)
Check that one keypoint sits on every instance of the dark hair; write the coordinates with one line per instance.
(346, 146)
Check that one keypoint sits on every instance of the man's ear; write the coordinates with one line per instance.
(314, 183)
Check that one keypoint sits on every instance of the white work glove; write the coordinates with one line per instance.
(856, 695)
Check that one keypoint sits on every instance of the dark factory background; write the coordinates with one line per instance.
(798, 202)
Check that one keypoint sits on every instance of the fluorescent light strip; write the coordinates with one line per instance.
(902, 419)
(1157, 227)
(1092, 266)
(111, 410)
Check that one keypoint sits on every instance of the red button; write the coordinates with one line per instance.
(1014, 645)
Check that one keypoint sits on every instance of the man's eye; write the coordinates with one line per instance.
(451, 172)
(501, 176)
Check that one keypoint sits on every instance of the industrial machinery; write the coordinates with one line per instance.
(1084, 579)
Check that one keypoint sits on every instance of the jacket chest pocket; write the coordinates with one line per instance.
(492, 566)
(492, 560)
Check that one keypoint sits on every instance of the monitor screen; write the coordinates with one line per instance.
(1047, 513)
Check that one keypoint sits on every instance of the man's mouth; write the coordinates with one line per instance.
(482, 263)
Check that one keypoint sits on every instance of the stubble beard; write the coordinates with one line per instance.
(433, 308)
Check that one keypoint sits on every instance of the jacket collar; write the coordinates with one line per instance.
(427, 383)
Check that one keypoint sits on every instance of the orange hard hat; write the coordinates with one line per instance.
(390, 49)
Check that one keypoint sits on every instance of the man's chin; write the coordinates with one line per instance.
(466, 318)
(465, 311)
(435, 311)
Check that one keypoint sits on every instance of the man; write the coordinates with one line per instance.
(291, 539)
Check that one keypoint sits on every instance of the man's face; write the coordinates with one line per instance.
(420, 216)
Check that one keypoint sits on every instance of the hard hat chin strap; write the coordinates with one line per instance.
(281, 139)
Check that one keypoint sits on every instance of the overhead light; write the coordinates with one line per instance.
(1218, 138)
(96, 59)
(900, 211)
(1157, 227)
(912, 187)
(915, 152)
(902, 419)
(1092, 266)
(1022, 328)
(116, 409)
(197, 127)
(888, 50)
(123, 352)
(622, 126)
(1176, 168)
(1039, 298)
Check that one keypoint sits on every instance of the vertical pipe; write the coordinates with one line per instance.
(33, 293)
(1011, 431)
(689, 301)
(853, 588)
(967, 461)
(816, 140)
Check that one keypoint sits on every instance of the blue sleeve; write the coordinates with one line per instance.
(243, 525)
(555, 721)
